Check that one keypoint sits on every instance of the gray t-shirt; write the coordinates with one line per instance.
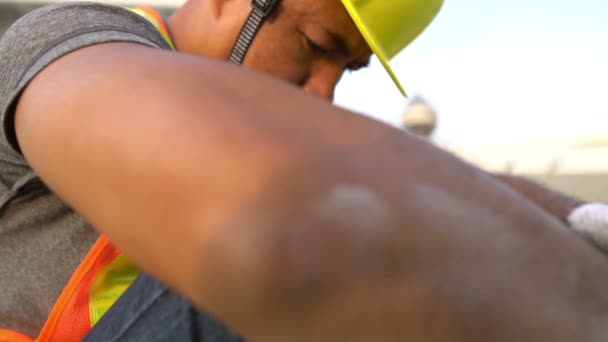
(42, 240)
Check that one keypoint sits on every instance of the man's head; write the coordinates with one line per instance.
(309, 43)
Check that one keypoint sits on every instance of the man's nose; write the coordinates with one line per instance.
(323, 80)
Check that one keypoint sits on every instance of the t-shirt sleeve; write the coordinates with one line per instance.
(46, 34)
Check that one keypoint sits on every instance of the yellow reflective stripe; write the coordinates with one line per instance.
(154, 22)
(109, 284)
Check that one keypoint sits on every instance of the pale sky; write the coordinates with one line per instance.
(500, 71)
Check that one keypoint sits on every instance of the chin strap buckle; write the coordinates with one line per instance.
(260, 10)
(264, 6)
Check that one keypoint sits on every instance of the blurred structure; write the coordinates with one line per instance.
(419, 117)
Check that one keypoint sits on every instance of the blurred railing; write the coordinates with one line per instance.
(579, 168)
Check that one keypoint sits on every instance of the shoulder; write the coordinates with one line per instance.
(77, 14)
(53, 24)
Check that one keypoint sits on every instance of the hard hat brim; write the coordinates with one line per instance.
(373, 44)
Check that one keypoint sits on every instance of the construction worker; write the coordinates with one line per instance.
(283, 216)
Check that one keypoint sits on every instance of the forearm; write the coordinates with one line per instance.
(186, 173)
(258, 211)
(553, 202)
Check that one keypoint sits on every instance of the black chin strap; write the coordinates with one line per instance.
(260, 10)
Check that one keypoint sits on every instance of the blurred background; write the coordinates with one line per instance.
(515, 86)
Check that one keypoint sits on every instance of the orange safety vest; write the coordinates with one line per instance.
(100, 279)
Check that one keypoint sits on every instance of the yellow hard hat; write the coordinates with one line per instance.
(389, 26)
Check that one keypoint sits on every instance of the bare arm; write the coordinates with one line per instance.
(261, 203)
(554, 203)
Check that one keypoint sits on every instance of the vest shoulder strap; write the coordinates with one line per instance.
(100, 279)
(157, 20)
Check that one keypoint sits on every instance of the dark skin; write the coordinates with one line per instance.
(260, 212)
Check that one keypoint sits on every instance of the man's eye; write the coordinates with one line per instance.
(316, 48)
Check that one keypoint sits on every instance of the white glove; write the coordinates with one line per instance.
(591, 221)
